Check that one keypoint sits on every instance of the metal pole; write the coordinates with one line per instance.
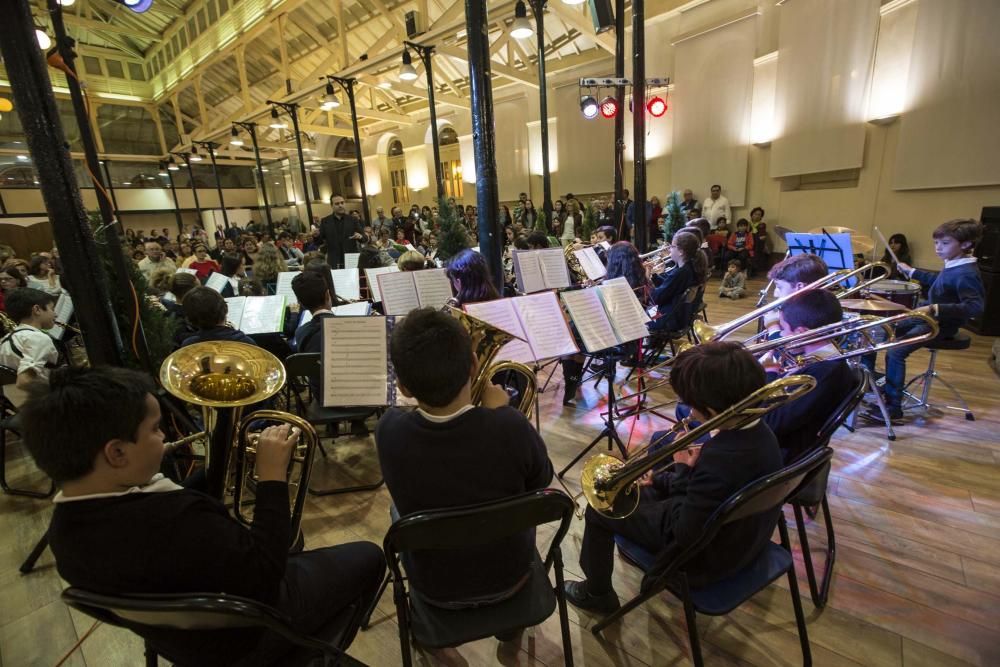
(427, 55)
(218, 184)
(538, 7)
(484, 136)
(639, 123)
(348, 86)
(177, 204)
(619, 158)
(251, 128)
(36, 108)
(194, 190)
(111, 188)
(291, 109)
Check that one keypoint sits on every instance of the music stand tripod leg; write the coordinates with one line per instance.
(610, 431)
(29, 564)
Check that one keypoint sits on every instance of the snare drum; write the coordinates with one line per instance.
(902, 292)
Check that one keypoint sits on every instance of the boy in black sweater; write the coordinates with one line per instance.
(675, 505)
(207, 310)
(120, 526)
(449, 453)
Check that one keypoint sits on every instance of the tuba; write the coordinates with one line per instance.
(487, 341)
(223, 378)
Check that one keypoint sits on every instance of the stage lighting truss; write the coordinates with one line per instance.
(656, 96)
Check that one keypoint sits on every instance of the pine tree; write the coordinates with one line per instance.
(589, 223)
(453, 238)
(541, 225)
(675, 216)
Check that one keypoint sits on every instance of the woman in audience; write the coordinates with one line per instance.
(529, 215)
(203, 265)
(42, 277)
(9, 280)
(249, 251)
(571, 223)
(655, 213)
(267, 267)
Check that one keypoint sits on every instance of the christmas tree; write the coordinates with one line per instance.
(589, 223)
(540, 223)
(453, 237)
(674, 215)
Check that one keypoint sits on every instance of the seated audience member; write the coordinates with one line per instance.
(28, 349)
(9, 280)
(121, 527)
(203, 265)
(482, 453)
(206, 311)
(739, 245)
(293, 256)
(734, 282)
(669, 288)
(42, 276)
(676, 504)
(155, 258)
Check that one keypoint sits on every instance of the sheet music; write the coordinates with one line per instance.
(528, 271)
(398, 292)
(64, 313)
(592, 323)
(235, 304)
(218, 282)
(193, 272)
(351, 260)
(433, 287)
(624, 310)
(347, 283)
(543, 323)
(554, 268)
(362, 308)
(605, 244)
(263, 314)
(500, 313)
(355, 361)
(371, 275)
(284, 286)
(591, 263)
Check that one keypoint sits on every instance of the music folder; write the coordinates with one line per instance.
(257, 314)
(218, 282)
(607, 315)
(346, 283)
(591, 263)
(64, 313)
(371, 276)
(356, 369)
(536, 319)
(539, 270)
(403, 291)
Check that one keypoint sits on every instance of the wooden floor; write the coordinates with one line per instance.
(917, 580)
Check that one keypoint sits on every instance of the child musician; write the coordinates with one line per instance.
(121, 527)
(449, 452)
(789, 276)
(669, 287)
(27, 348)
(675, 505)
(206, 310)
(955, 296)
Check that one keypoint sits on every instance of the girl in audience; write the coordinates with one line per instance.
(249, 251)
(901, 247)
(42, 277)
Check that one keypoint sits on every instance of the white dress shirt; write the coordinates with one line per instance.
(713, 209)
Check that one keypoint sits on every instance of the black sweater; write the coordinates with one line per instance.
(482, 455)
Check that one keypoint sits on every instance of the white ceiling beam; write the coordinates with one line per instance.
(582, 22)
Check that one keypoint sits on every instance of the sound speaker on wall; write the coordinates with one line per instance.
(414, 22)
(602, 14)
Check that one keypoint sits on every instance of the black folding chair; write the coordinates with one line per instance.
(813, 494)
(480, 525)
(180, 628)
(9, 422)
(658, 341)
(667, 571)
(305, 368)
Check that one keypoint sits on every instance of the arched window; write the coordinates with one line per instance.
(397, 173)
(396, 148)
(345, 149)
(451, 162)
(448, 136)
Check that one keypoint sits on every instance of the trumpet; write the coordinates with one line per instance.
(68, 327)
(611, 485)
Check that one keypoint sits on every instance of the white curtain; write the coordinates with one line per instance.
(825, 53)
(711, 107)
(950, 132)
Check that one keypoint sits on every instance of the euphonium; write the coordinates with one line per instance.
(223, 377)
(487, 341)
(610, 484)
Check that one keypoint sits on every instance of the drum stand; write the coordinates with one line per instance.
(890, 433)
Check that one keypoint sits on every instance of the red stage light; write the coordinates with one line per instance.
(609, 107)
(656, 107)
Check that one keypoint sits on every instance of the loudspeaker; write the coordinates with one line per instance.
(988, 249)
(414, 24)
(988, 324)
(602, 14)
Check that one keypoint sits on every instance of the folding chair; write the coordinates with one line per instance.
(668, 570)
(178, 628)
(9, 422)
(479, 525)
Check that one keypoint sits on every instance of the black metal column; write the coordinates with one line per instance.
(348, 86)
(427, 56)
(218, 184)
(107, 176)
(251, 129)
(538, 7)
(639, 123)
(194, 189)
(292, 110)
(619, 159)
(484, 137)
(36, 108)
(177, 204)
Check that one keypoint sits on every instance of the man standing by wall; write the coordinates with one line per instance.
(716, 207)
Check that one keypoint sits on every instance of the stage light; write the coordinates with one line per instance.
(656, 107)
(171, 165)
(330, 100)
(276, 122)
(235, 141)
(138, 6)
(521, 27)
(588, 105)
(43, 39)
(406, 70)
(609, 107)
(194, 157)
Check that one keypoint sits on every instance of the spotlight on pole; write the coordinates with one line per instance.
(276, 122)
(521, 27)
(235, 141)
(406, 70)
(609, 107)
(656, 107)
(589, 107)
(330, 100)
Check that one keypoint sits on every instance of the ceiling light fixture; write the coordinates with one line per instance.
(194, 157)
(235, 141)
(171, 165)
(521, 27)
(406, 71)
(276, 122)
(330, 100)
(138, 6)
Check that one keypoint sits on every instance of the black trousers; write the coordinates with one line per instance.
(645, 527)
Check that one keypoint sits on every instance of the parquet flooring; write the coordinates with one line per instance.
(917, 579)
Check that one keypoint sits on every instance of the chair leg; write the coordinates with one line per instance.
(622, 610)
(692, 624)
(819, 592)
(366, 620)
(29, 564)
(403, 620)
(563, 614)
(793, 587)
(151, 657)
(7, 488)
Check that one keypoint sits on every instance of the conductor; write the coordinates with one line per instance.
(341, 233)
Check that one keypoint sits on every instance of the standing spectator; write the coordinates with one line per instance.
(688, 203)
(571, 223)
(341, 233)
(654, 212)
(716, 206)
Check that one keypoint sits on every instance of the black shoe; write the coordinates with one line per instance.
(873, 414)
(576, 593)
(508, 636)
(569, 390)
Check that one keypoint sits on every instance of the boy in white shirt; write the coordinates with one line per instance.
(27, 348)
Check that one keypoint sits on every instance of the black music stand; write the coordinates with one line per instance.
(610, 431)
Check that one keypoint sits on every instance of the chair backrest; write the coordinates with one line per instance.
(304, 365)
(8, 376)
(846, 407)
(480, 524)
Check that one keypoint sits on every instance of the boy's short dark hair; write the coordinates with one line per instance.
(310, 289)
(737, 263)
(432, 354)
(181, 283)
(805, 268)
(608, 231)
(695, 375)
(812, 308)
(68, 422)
(963, 230)
(205, 308)
(742, 222)
(230, 264)
(20, 302)
(538, 240)
(702, 225)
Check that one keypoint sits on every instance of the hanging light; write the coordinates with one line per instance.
(521, 27)
(406, 70)
(44, 41)
(194, 157)
(573, 2)
(589, 107)
(609, 107)
(66, 3)
(330, 100)
(235, 141)
(171, 165)
(138, 6)
(276, 122)
(163, 171)
(656, 106)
